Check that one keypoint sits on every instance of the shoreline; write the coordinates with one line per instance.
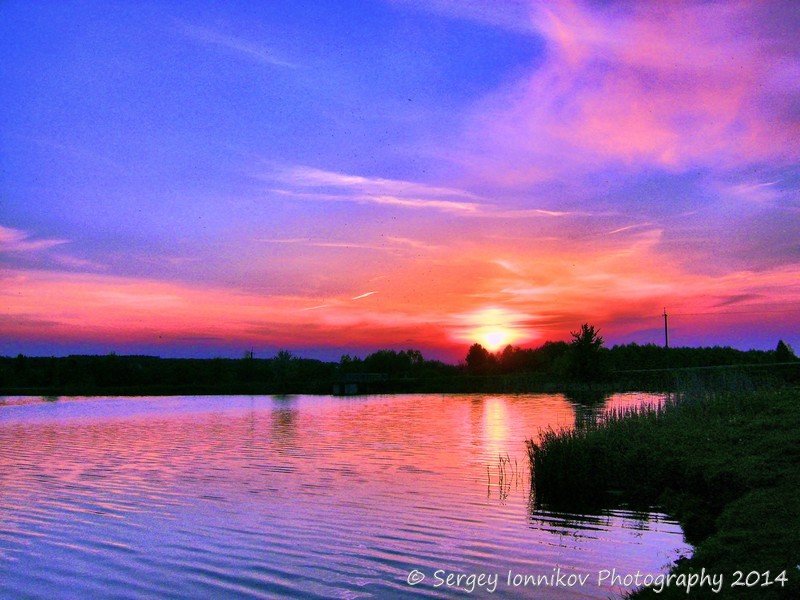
(658, 381)
(581, 392)
(389, 372)
(724, 464)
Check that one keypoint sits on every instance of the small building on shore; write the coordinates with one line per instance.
(351, 384)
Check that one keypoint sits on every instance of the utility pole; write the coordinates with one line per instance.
(666, 329)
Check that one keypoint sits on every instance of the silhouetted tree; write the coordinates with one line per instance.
(285, 369)
(349, 364)
(391, 362)
(479, 360)
(784, 352)
(414, 357)
(553, 356)
(584, 358)
(511, 360)
(585, 353)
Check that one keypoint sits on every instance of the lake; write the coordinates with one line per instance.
(299, 496)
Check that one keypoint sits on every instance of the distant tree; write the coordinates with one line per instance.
(508, 359)
(585, 360)
(284, 356)
(21, 362)
(414, 357)
(587, 337)
(387, 361)
(552, 357)
(784, 352)
(479, 360)
(346, 364)
(285, 368)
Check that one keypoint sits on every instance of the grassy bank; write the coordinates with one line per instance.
(726, 464)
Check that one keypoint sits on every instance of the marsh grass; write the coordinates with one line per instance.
(725, 462)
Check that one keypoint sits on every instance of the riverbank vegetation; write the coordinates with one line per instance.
(725, 463)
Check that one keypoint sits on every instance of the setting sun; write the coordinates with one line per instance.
(494, 339)
(494, 328)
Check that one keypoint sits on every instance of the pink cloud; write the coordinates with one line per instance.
(16, 240)
(671, 84)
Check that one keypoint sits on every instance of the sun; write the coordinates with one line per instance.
(494, 338)
(494, 328)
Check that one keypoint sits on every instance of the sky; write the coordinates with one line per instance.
(329, 177)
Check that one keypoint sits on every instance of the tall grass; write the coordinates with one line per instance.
(584, 465)
(725, 462)
(635, 453)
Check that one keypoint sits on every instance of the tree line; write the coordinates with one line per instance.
(585, 358)
(583, 367)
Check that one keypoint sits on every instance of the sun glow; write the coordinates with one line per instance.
(494, 338)
(493, 328)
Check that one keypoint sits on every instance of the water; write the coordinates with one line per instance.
(302, 496)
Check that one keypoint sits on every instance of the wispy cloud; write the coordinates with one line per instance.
(626, 228)
(316, 184)
(319, 244)
(405, 202)
(411, 243)
(246, 48)
(75, 262)
(522, 213)
(738, 299)
(509, 266)
(317, 307)
(33, 250)
(389, 243)
(752, 192)
(510, 15)
(311, 177)
(308, 183)
(16, 240)
(365, 295)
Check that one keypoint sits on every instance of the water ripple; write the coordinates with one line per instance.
(259, 497)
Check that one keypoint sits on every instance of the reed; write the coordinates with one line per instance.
(724, 462)
(509, 475)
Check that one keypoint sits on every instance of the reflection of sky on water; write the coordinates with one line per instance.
(290, 496)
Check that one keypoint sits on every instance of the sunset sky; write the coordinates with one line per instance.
(196, 179)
